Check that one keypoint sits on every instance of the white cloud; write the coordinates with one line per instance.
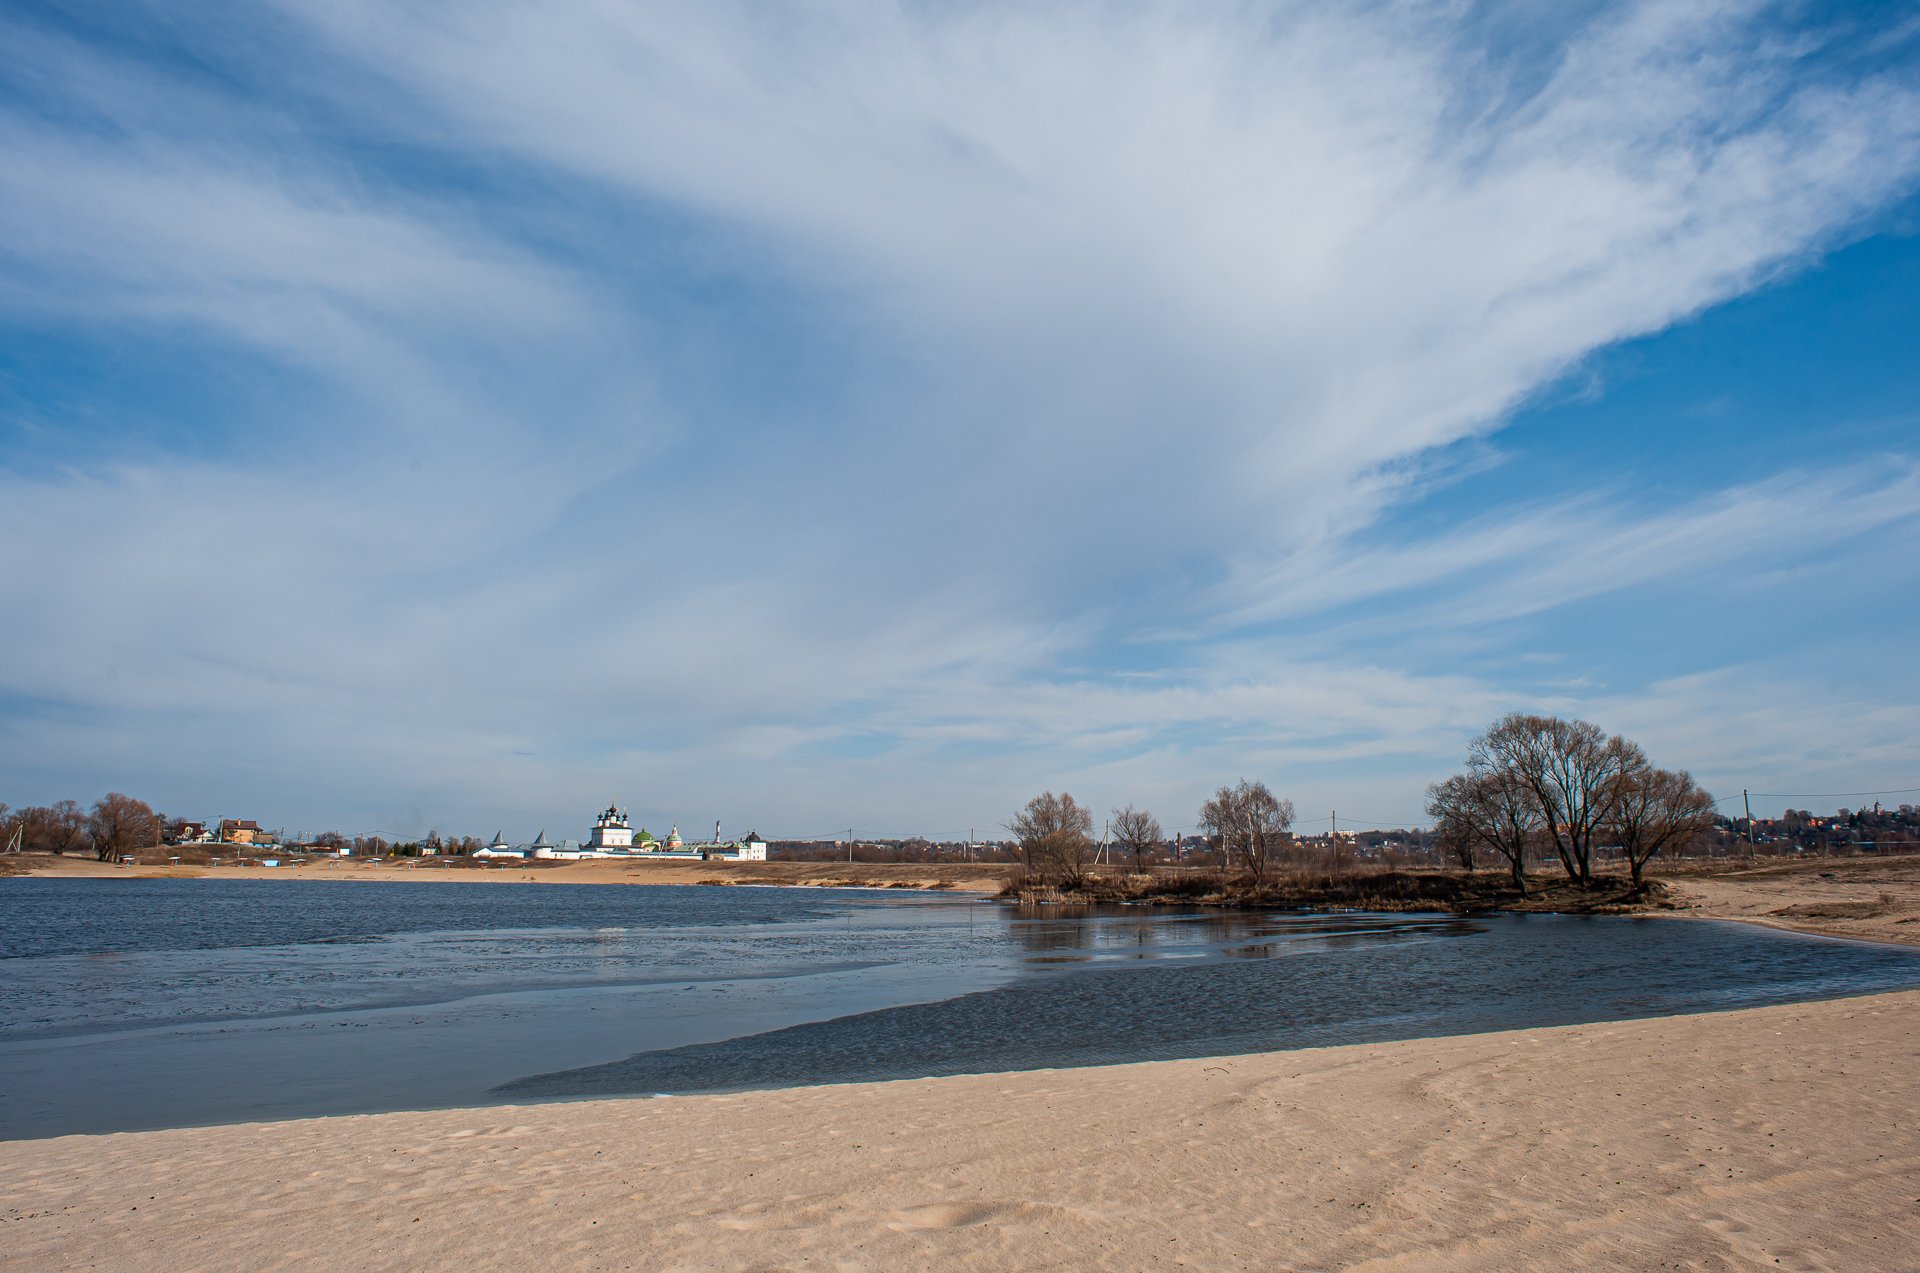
(1286, 237)
(1152, 310)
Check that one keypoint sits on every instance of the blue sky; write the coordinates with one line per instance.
(872, 414)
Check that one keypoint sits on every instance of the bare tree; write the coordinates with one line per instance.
(120, 824)
(1657, 811)
(1138, 832)
(60, 827)
(1490, 809)
(1054, 835)
(1570, 768)
(1453, 809)
(1249, 821)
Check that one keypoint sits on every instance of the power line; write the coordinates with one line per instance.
(1811, 795)
(1822, 795)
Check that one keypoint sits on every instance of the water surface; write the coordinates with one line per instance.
(129, 1004)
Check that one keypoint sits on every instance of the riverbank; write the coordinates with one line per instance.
(1775, 1137)
(1868, 898)
(1308, 889)
(956, 876)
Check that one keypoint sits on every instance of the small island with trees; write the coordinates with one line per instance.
(1536, 791)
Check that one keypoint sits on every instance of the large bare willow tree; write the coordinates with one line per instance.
(1540, 780)
(120, 824)
(1570, 768)
(1248, 822)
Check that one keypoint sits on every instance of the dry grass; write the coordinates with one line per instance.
(1349, 889)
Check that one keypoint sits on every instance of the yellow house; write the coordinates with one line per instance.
(242, 831)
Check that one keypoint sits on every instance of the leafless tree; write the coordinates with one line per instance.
(120, 824)
(1247, 820)
(1489, 809)
(1657, 811)
(1570, 768)
(1138, 832)
(1054, 835)
(1452, 807)
(60, 827)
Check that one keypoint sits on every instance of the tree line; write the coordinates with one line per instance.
(1247, 823)
(118, 824)
(1534, 787)
(115, 825)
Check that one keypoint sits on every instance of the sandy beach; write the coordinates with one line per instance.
(1773, 1138)
(1873, 899)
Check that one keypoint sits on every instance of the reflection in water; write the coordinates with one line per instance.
(1096, 934)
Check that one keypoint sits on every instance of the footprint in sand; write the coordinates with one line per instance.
(945, 1215)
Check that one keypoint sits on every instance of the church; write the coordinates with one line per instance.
(612, 836)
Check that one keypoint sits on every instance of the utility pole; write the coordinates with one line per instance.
(849, 844)
(1748, 804)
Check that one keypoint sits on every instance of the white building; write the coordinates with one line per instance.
(613, 837)
(610, 831)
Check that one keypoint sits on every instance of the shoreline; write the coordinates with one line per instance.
(1864, 899)
(1858, 899)
(927, 877)
(1716, 1140)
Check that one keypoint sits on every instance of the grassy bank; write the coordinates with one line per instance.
(1376, 890)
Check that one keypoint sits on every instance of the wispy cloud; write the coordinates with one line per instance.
(1542, 555)
(652, 395)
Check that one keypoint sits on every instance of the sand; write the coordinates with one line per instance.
(1875, 899)
(1774, 1138)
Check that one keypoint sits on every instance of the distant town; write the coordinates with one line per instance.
(118, 826)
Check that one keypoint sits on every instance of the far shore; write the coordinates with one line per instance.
(957, 876)
(1866, 898)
